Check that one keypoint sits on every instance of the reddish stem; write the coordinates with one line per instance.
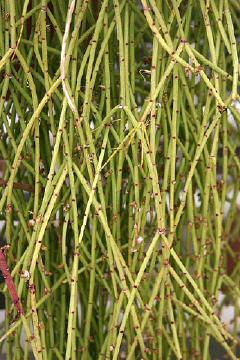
(25, 187)
(9, 282)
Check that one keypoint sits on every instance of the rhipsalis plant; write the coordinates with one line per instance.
(120, 178)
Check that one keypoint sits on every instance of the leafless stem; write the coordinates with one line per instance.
(63, 57)
(9, 282)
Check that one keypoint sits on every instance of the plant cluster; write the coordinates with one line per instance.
(119, 154)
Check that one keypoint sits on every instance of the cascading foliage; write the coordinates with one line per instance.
(119, 155)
